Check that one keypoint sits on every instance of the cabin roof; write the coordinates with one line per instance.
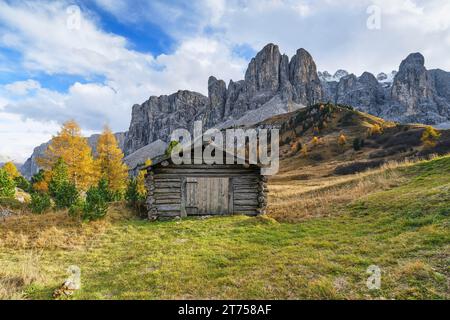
(161, 158)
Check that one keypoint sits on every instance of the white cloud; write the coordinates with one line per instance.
(19, 137)
(22, 88)
(38, 30)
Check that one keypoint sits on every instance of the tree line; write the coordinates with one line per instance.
(77, 178)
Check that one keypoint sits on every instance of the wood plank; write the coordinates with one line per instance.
(183, 198)
(168, 201)
(166, 196)
(158, 179)
(167, 207)
(246, 202)
(245, 208)
(168, 185)
(167, 190)
(245, 196)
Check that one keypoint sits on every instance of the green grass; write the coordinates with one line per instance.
(405, 231)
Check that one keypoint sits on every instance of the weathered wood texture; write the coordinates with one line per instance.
(205, 190)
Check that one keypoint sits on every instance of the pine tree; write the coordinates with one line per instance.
(7, 185)
(110, 162)
(70, 146)
(11, 170)
(61, 189)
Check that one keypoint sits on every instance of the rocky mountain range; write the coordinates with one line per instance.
(276, 84)
(273, 84)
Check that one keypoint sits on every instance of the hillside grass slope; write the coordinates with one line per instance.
(399, 220)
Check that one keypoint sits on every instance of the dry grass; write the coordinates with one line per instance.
(57, 230)
(13, 282)
(297, 200)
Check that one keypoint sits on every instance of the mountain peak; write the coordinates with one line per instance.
(413, 59)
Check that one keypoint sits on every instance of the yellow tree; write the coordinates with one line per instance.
(304, 150)
(11, 170)
(110, 161)
(376, 129)
(315, 141)
(73, 148)
(342, 140)
(141, 179)
(430, 137)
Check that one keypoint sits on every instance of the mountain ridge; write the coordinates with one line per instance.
(275, 84)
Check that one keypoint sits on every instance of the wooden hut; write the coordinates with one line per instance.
(201, 189)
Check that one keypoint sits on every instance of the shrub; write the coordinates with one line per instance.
(342, 140)
(430, 137)
(357, 144)
(376, 129)
(132, 194)
(77, 209)
(40, 203)
(60, 188)
(65, 195)
(105, 191)
(96, 206)
(7, 185)
(22, 183)
(296, 147)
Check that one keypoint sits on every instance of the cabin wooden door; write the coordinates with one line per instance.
(207, 196)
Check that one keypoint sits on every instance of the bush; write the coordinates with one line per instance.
(105, 191)
(77, 209)
(65, 195)
(132, 194)
(134, 198)
(40, 203)
(358, 144)
(7, 185)
(96, 205)
(22, 183)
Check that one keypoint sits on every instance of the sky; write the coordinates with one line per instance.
(92, 60)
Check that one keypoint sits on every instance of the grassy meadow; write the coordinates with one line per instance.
(317, 241)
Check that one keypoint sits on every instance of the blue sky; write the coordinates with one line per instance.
(56, 64)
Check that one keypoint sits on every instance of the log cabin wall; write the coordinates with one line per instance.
(193, 190)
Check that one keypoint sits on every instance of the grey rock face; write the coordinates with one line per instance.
(382, 76)
(364, 92)
(30, 167)
(414, 95)
(217, 92)
(159, 116)
(272, 84)
(306, 87)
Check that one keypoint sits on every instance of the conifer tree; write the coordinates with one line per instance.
(110, 162)
(430, 137)
(73, 148)
(11, 170)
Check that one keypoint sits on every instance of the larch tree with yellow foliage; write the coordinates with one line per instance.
(430, 137)
(342, 140)
(11, 169)
(74, 150)
(110, 161)
(142, 190)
